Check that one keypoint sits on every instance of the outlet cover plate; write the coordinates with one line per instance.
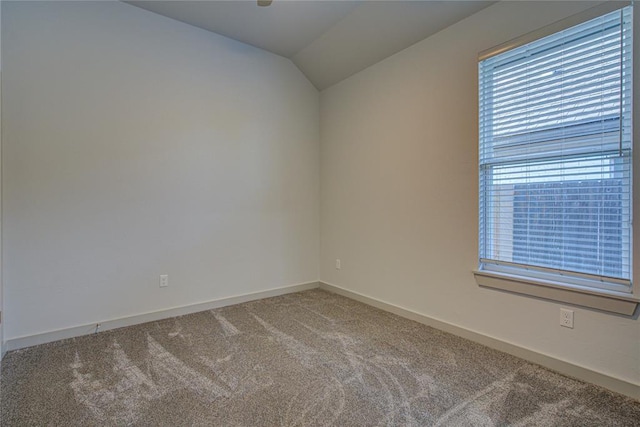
(566, 318)
(164, 280)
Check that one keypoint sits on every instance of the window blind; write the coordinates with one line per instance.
(555, 154)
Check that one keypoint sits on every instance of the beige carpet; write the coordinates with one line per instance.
(311, 358)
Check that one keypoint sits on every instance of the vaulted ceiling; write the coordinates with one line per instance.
(327, 40)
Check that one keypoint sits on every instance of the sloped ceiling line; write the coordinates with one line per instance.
(328, 40)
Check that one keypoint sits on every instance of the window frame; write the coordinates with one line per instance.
(551, 286)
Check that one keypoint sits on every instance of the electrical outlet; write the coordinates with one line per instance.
(164, 280)
(337, 264)
(566, 318)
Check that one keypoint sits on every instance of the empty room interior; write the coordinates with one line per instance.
(320, 213)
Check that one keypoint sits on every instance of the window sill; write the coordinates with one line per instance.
(610, 301)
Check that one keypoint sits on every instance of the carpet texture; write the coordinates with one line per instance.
(310, 358)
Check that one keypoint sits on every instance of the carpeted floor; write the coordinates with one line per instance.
(310, 358)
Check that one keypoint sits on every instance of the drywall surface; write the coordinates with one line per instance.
(399, 202)
(135, 146)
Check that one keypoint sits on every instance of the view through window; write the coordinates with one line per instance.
(555, 156)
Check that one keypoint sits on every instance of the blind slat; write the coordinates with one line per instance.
(555, 151)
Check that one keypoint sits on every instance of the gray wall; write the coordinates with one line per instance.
(134, 146)
(399, 195)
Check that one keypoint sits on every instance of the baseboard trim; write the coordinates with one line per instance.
(60, 334)
(563, 367)
(558, 365)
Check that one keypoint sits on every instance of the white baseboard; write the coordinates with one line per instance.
(31, 340)
(563, 367)
(566, 368)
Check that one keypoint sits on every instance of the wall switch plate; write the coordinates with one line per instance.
(566, 318)
(164, 280)
(337, 264)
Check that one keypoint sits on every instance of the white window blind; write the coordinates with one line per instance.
(555, 155)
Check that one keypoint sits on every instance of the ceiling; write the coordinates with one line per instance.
(327, 40)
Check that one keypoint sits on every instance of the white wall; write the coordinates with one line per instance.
(134, 146)
(399, 203)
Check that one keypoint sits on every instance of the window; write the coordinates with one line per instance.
(555, 157)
